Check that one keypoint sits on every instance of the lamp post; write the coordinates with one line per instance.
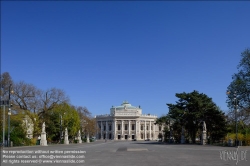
(85, 127)
(236, 125)
(61, 128)
(9, 113)
(183, 127)
(170, 132)
(235, 102)
(3, 124)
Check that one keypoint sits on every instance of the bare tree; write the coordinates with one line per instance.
(5, 83)
(83, 111)
(49, 99)
(25, 96)
(84, 115)
(88, 123)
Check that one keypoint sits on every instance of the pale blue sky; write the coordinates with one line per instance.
(101, 53)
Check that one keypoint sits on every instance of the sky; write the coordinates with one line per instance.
(104, 52)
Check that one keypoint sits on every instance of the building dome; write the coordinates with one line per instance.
(124, 105)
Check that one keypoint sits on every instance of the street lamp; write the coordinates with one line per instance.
(9, 113)
(86, 123)
(61, 128)
(183, 127)
(236, 119)
(170, 131)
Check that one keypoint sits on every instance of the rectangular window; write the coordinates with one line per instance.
(147, 127)
(133, 127)
(126, 127)
(141, 127)
(104, 128)
(119, 127)
(110, 127)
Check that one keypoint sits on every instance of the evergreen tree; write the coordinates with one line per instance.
(191, 110)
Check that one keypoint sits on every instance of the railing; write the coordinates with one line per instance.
(101, 116)
(126, 114)
(146, 115)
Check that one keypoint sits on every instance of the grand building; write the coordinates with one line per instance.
(126, 122)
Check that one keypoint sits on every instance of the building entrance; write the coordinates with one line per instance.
(119, 136)
(126, 136)
(133, 136)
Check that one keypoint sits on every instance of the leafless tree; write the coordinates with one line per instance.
(88, 123)
(83, 111)
(25, 96)
(49, 99)
(5, 83)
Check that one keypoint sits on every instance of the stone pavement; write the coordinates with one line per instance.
(134, 153)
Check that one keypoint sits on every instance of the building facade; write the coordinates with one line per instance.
(126, 122)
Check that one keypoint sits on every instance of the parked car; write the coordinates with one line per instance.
(92, 139)
(134, 140)
(147, 139)
(158, 139)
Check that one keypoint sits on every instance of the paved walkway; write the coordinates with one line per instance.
(134, 153)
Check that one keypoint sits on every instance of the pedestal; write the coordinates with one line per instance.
(182, 139)
(43, 141)
(79, 140)
(66, 139)
(87, 139)
(203, 138)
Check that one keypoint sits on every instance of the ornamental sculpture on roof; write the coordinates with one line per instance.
(125, 102)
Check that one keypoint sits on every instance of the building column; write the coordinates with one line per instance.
(101, 131)
(145, 129)
(129, 130)
(150, 130)
(113, 129)
(139, 127)
(154, 132)
(136, 129)
(122, 131)
(107, 130)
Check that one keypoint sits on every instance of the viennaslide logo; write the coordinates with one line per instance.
(236, 155)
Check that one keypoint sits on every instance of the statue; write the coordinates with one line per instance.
(79, 133)
(204, 126)
(66, 139)
(79, 137)
(43, 140)
(204, 134)
(66, 131)
(43, 127)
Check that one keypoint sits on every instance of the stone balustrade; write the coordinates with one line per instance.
(126, 114)
(151, 116)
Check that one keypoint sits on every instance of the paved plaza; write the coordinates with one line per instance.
(134, 153)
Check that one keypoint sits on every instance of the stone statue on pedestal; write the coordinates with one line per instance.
(204, 126)
(43, 141)
(79, 137)
(204, 134)
(66, 139)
